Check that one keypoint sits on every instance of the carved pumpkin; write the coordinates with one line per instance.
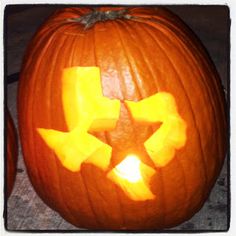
(121, 118)
(12, 151)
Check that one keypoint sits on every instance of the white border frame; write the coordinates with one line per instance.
(230, 3)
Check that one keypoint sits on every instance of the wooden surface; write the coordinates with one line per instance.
(25, 210)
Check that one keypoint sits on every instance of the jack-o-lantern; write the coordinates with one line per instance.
(121, 118)
(11, 154)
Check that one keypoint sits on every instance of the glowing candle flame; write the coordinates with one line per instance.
(133, 177)
(129, 169)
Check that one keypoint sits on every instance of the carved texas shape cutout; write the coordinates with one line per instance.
(86, 109)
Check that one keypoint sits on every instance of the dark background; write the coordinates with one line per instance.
(25, 210)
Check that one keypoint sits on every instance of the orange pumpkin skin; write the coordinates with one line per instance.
(12, 152)
(139, 57)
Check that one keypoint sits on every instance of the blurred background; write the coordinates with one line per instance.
(24, 209)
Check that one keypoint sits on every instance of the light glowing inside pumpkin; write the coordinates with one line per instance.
(86, 109)
(129, 169)
(133, 177)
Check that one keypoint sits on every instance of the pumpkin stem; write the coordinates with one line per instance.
(91, 18)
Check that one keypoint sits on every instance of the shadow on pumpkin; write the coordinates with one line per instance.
(99, 201)
(94, 201)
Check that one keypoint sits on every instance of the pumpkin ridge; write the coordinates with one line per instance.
(109, 142)
(186, 204)
(66, 208)
(201, 81)
(96, 64)
(215, 99)
(90, 203)
(205, 83)
(207, 63)
(190, 108)
(212, 101)
(107, 138)
(32, 90)
(127, 58)
(113, 61)
(121, 82)
(142, 53)
(74, 54)
(197, 131)
(49, 94)
(163, 198)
